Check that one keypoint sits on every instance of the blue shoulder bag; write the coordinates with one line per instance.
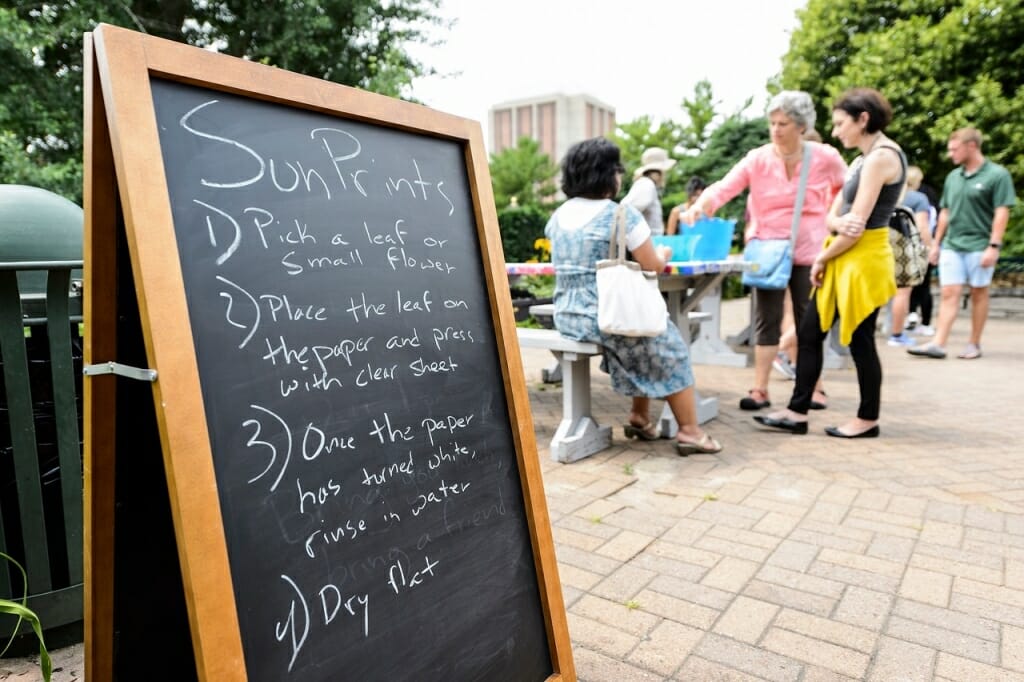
(774, 257)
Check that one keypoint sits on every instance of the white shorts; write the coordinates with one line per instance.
(960, 267)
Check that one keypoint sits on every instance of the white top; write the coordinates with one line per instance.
(577, 213)
(643, 196)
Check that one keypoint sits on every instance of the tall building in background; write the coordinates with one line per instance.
(556, 121)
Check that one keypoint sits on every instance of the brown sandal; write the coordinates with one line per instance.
(755, 400)
(646, 432)
(705, 445)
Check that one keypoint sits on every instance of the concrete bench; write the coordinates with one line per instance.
(553, 375)
(578, 434)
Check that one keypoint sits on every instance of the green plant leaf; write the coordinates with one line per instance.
(24, 613)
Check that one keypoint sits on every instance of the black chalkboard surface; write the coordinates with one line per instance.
(357, 415)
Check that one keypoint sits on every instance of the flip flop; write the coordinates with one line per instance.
(646, 432)
(972, 352)
(706, 445)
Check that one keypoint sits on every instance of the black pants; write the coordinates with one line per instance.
(921, 296)
(811, 342)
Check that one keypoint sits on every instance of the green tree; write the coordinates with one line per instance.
(354, 42)
(942, 65)
(523, 172)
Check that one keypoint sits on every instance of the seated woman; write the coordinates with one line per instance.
(640, 367)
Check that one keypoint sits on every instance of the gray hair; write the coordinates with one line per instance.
(797, 105)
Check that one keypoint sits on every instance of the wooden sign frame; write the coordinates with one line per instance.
(123, 160)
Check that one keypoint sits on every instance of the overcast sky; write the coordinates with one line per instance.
(641, 57)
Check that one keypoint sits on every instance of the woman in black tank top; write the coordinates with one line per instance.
(853, 275)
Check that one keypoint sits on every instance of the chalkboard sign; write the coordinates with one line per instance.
(346, 437)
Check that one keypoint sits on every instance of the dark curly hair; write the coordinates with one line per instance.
(858, 100)
(589, 169)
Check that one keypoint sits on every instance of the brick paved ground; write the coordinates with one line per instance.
(797, 559)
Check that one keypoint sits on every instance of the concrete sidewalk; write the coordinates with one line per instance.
(796, 558)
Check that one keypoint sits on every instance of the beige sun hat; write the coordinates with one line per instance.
(654, 158)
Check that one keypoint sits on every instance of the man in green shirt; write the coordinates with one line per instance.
(974, 211)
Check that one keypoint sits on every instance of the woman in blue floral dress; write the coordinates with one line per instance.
(640, 367)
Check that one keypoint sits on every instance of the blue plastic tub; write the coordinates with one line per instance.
(708, 239)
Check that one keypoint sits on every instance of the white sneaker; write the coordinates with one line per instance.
(912, 320)
(783, 366)
(925, 330)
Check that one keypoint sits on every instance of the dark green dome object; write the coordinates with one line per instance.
(38, 225)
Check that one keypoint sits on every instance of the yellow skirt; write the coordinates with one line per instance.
(857, 282)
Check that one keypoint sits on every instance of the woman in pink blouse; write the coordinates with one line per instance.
(772, 174)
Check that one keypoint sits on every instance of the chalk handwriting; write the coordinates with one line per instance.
(272, 453)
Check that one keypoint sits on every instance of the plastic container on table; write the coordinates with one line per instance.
(707, 239)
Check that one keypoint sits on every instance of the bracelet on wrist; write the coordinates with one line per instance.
(996, 245)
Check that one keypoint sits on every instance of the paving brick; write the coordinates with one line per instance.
(699, 594)
(926, 586)
(908, 506)
(616, 614)
(604, 639)
(625, 545)
(1015, 574)
(1013, 648)
(963, 556)
(793, 555)
(835, 632)
(994, 593)
(816, 674)
(746, 537)
(583, 526)
(941, 533)
(730, 574)
(624, 583)
(638, 521)
(827, 512)
(876, 526)
(686, 531)
(678, 610)
(982, 536)
(1003, 613)
(893, 549)
(836, 658)
(864, 607)
(853, 576)
(778, 524)
(965, 670)
(820, 539)
(599, 667)
(957, 568)
(872, 499)
(666, 565)
(746, 619)
(588, 561)
(666, 647)
(839, 494)
(697, 668)
(564, 536)
(733, 549)
(598, 509)
(801, 581)
(948, 619)
(725, 514)
(945, 512)
(684, 553)
(979, 517)
(749, 659)
(974, 648)
(794, 599)
(903, 661)
(577, 577)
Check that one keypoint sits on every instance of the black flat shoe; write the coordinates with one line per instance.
(815, 405)
(873, 432)
(798, 428)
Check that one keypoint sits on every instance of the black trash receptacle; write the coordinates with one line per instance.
(41, 411)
